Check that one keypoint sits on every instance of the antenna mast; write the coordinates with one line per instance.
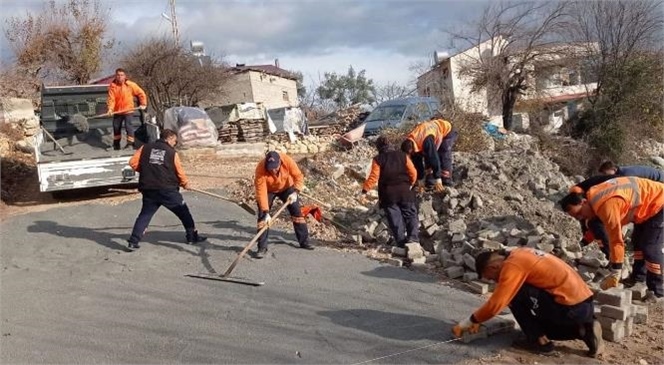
(174, 22)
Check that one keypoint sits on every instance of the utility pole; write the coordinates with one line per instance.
(174, 22)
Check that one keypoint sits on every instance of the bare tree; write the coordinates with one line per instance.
(171, 76)
(390, 91)
(508, 37)
(615, 32)
(62, 41)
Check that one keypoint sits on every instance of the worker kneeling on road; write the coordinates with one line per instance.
(161, 175)
(548, 298)
(620, 201)
(277, 175)
(429, 145)
(395, 174)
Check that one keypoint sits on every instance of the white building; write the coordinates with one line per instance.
(553, 96)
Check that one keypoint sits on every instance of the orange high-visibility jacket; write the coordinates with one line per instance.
(539, 269)
(438, 128)
(289, 175)
(121, 97)
(621, 201)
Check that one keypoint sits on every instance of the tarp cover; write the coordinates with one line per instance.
(193, 126)
(289, 120)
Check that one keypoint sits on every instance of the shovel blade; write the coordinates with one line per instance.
(229, 279)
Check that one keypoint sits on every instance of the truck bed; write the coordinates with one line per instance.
(96, 143)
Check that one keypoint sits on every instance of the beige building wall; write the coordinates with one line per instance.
(273, 91)
(236, 90)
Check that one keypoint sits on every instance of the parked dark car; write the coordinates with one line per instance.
(393, 113)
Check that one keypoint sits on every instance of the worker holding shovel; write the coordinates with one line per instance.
(277, 175)
(121, 93)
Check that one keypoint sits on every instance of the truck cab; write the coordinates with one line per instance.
(87, 158)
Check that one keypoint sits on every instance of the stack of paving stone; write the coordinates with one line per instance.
(616, 313)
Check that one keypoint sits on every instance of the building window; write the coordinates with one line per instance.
(284, 95)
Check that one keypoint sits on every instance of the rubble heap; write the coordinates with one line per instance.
(503, 199)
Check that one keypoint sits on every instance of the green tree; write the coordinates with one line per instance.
(345, 90)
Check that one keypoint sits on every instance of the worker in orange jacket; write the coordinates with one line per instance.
(277, 175)
(547, 297)
(429, 145)
(120, 102)
(620, 201)
(395, 175)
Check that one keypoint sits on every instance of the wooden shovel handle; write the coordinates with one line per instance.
(251, 244)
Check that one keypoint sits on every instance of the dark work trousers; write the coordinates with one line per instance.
(403, 222)
(299, 222)
(539, 314)
(152, 200)
(118, 119)
(596, 226)
(445, 154)
(648, 241)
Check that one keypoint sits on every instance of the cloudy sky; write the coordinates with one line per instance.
(384, 37)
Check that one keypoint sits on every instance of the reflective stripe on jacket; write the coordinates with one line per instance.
(438, 128)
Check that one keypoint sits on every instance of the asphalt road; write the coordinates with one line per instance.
(70, 294)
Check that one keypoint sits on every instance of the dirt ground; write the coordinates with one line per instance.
(206, 171)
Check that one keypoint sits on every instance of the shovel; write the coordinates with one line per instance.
(81, 122)
(226, 275)
(242, 205)
(50, 136)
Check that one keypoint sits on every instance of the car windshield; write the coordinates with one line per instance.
(388, 112)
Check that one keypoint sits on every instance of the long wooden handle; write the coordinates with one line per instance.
(250, 244)
(106, 114)
(54, 140)
(213, 195)
(328, 206)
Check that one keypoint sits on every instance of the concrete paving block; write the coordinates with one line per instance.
(610, 311)
(395, 262)
(614, 336)
(432, 258)
(615, 297)
(468, 337)
(629, 326)
(398, 251)
(470, 276)
(420, 260)
(640, 314)
(469, 260)
(610, 324)
(479, 287)
(454, 272)
(638, 291)
(498, 325)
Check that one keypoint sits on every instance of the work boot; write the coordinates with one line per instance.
(307, 246)
(194, 238)
(133, 246)
(448, 182)
(260, 253)
(116, 145)
(591, 334)
(129, 145)
(533, 346)
(652, 298)
(631, 281)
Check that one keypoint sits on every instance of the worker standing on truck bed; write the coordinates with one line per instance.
(161, 176)
(121, 93)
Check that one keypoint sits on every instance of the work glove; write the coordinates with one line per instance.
(109, 113)
(438, 186)
(142, 107)
(465, 326)
(419, 186)
(267, 219)
(612, 280)
(363, 198)
(292, 198)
